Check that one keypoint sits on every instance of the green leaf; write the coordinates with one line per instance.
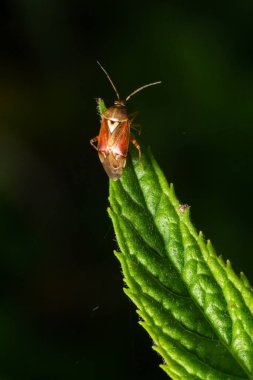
(101, 107)
(198, 312)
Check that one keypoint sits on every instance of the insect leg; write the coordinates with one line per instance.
(136, 127)
(137, 146)
(132, 116)
(93, 141)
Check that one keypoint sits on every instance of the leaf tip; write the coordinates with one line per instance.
(183, 208)
(245, 280)
(109, 210)
(221, 260)
(210, 248)
(172, 190)
(128, 292)
(202, 240)
(228, 264)
(117, 254)
(201, 236)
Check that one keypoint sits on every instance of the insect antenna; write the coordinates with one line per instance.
(109, 78)
(141, 88)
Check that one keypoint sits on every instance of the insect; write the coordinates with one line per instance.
(114, 136)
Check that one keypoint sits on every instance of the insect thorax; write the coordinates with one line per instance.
(116, 113)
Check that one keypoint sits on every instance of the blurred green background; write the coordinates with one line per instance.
(63, 314)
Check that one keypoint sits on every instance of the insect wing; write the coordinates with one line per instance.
(115, 161)
(114, 167)
(103, 140)
(119, 139)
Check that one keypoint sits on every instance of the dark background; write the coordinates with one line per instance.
(63, 314)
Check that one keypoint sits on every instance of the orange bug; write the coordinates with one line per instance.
(114, 136)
